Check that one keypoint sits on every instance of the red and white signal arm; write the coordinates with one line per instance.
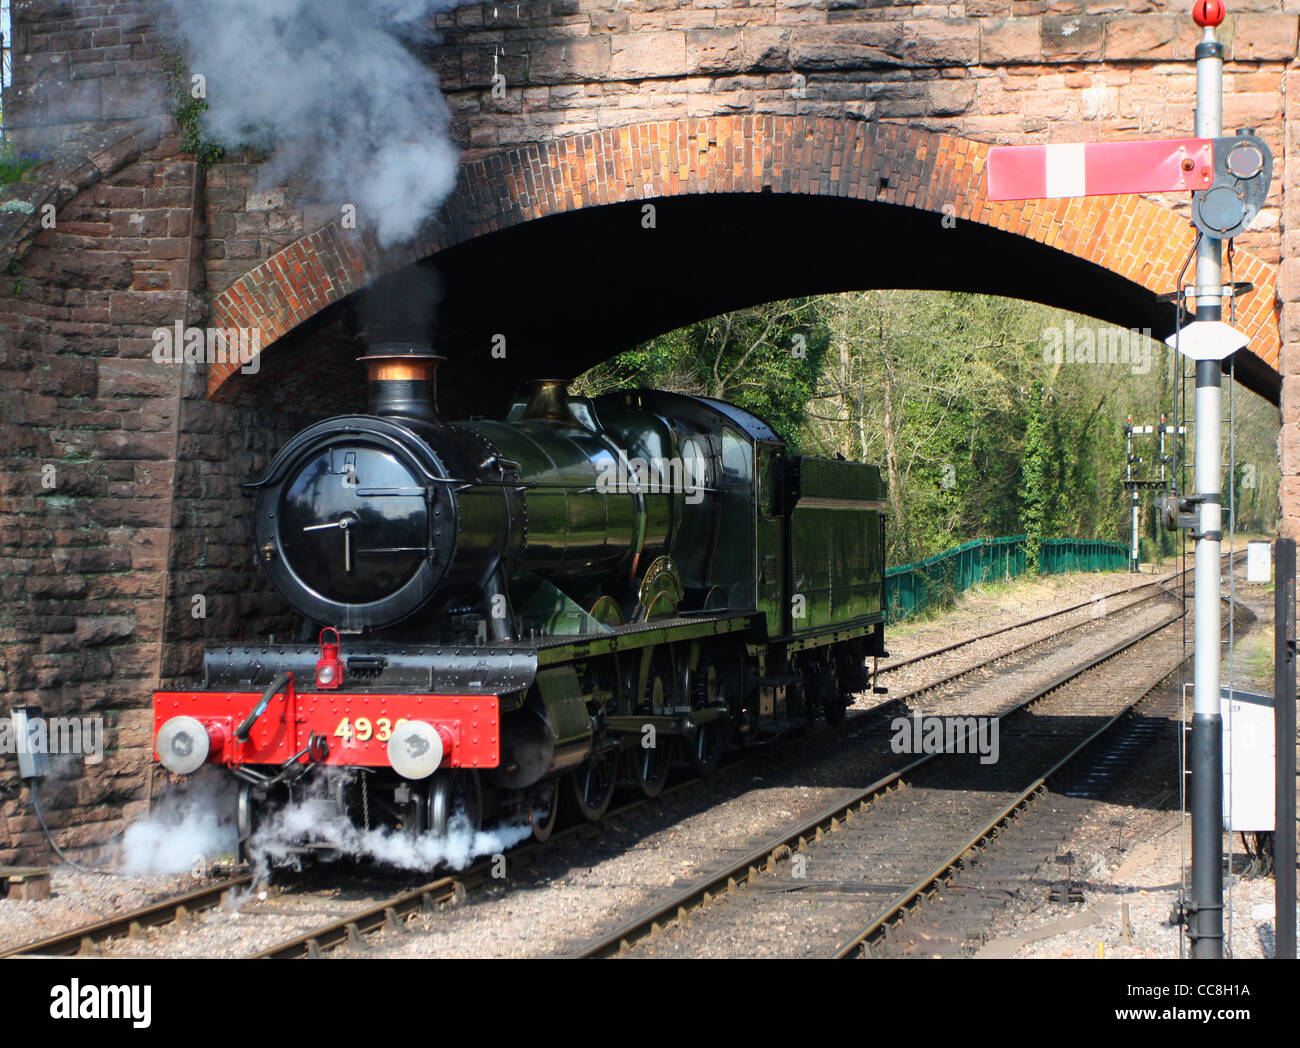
(1100, 168)
(1228, 177)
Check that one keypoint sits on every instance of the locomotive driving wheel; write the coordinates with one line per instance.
(711, 736)
(651, 765)
(651, 758)
(592, 785)
(453, 795)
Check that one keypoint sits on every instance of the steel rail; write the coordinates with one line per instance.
(389, 913)
(1042, 618)
(1011, 653)
(912, 660)
(768, 854)
(906, 901)
(166, 911)
(1020, 650)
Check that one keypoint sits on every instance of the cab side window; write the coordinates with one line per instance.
(737, 466)
(695, 464)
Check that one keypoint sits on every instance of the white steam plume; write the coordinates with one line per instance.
(330, 91)
(192, 823)
(315, 818)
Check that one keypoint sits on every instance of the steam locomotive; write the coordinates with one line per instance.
(501, 617)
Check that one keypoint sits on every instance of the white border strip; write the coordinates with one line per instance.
(1065, 170)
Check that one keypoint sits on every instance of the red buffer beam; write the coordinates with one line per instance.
(1100, 168)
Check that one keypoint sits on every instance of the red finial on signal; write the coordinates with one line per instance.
(1208, 12)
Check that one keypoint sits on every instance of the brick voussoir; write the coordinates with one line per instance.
(1140, 240)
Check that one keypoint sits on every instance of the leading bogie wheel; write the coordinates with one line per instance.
(543, 809)
(455, 799)
(245, 813)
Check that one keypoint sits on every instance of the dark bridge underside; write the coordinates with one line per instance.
(571, 290)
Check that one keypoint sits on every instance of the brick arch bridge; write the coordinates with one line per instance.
(820, 201)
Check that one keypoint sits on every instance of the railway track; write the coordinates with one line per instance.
(391, 912)
(897, 910)
(175, 909)
(1027, 852)
(827, 830)
(1004, 656)
(1160, 587)
(893, 666)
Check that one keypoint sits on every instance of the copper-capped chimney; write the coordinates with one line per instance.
(402, 380)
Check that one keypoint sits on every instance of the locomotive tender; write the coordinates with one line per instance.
(498, 615)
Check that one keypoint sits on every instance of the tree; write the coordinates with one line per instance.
(988, 416)
(1034, 481)
(766, 358)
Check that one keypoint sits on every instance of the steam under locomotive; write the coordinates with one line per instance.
(499, 616)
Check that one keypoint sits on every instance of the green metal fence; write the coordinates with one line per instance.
(936, 581)
(1057, 556)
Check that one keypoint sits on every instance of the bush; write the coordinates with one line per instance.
(14, 165)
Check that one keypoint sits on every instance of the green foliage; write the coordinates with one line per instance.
(13, 166)
(1035, 476)
(189, 110)
(977, 429)
(766, 359)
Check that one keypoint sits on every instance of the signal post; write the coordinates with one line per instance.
(1229, 179)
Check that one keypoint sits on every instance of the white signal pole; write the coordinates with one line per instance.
(1229, 180)
(1205, 916)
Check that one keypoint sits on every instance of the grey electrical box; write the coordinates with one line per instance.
(1248, 771)
(31, 741)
